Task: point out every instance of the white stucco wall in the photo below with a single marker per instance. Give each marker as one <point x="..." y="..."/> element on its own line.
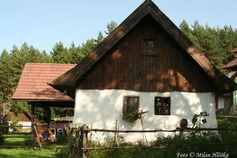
<point x="101" y="108"/>
<point x="221" y="102"/>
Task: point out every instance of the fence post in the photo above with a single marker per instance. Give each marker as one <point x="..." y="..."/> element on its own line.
<point x="183" y="124"/>
<point x="116" y="141"/>
<point x="36" y="137"/>
<point x="83" y="141"/>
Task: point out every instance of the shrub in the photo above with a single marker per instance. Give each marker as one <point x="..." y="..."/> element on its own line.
<point x="193" y="142"/>
<point x="3" y="128"/>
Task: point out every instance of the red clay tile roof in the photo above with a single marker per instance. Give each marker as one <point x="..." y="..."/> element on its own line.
<point x="232" y="65"/>
<point x="234" y="51"/>
<point x="33" y="86"/>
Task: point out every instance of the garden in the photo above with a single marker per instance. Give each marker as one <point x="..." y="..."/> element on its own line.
<point x="199" y="143"/>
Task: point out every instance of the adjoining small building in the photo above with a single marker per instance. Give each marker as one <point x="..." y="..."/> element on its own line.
<point x="33" y="88"/>
<point x="230" y="101"/>
<point x="146" y="66"/>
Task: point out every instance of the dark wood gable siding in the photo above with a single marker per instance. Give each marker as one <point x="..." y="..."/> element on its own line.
<point x="126" y="67"/>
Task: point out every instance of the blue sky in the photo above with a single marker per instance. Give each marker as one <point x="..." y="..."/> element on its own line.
<point x="42" y="23"/>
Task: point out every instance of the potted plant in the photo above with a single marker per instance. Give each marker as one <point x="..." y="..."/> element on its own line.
<point x="132" y="116"/>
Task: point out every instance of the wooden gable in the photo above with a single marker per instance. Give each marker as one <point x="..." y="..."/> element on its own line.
<point x="126" y="66"/>
<point x="119" y="61"/>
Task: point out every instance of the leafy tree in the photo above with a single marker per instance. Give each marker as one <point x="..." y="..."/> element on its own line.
<point x="18" y="107"/>
<point x="99" y="38"/>
<point x="227" y="42"/>
<point x="76" y="56"/>
<point x="35" y="56"/>
<point x="61" y="112"/>
<point x="87" y="47"/>
<point x="79" y="52"/>
<point x="45" y="57"/>
<point x="110" y="27"/>
<point x="60" y="54"/>
<point x="5" y="74"/>
<point x="188" y="32"/>
<point x="1" y="101"/>
<point x="215" y="43"/>
<point x="18" y="60"/>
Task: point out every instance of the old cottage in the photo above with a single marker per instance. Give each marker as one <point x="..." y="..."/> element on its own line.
<point x="146" y="65"/>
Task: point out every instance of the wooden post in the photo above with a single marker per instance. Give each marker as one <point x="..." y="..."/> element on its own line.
<point x="183" y="124"/>
<point x="37" y="137"/>
<point x="33" y="124"/>
<point x="32" y="117"/>
<point x="178" y="143"/>
<point x="83" y="141"/>
<point x="73" y="145"/>
<point x="47" y="116"/>
<point x="116" y="141"/>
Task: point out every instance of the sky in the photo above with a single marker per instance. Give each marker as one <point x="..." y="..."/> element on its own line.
<point x="43" y="23"/>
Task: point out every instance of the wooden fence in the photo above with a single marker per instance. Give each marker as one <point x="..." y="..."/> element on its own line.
<point x="31" y="137"/>
<point x="79" y="139"/>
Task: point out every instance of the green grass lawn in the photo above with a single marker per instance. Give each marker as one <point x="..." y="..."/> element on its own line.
<point x="23" y="147"/>
<point x="25" y="152"/>
<point x="49" y="149"/>
<point x="227" y="121"/>
<point x="18" y="139"/>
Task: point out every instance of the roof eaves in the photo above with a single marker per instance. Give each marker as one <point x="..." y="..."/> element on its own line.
<point x="41" y="100"/>
<point x="234" y="51"/>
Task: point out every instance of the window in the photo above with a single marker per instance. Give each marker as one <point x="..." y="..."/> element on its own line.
<point x="130" y="104"/>
<point x="149" y="47"/>
<point x="162" y="106"/>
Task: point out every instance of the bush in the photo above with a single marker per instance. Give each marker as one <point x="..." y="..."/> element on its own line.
<point x="170" y="146"/>
<point x="3" y="128"/>
<point x="222" y="112"/>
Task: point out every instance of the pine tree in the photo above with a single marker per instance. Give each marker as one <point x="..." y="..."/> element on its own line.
<point x="75" y="53"/>
<point x="215" y="43"/>
<point x="110" y="27"/>
<point x="5" y="74"/>
<point x="60" y="54"/>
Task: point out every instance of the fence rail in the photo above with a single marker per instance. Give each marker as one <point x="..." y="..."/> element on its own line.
<point x="159" y="130"/>
<point x="12" y="126"/>
<point x="155" y="147"/>
<point x="8" y="136"/>
<point x="33" y="134"/>
<point x="129" y="131"/>
<point x="81" y="145"/>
